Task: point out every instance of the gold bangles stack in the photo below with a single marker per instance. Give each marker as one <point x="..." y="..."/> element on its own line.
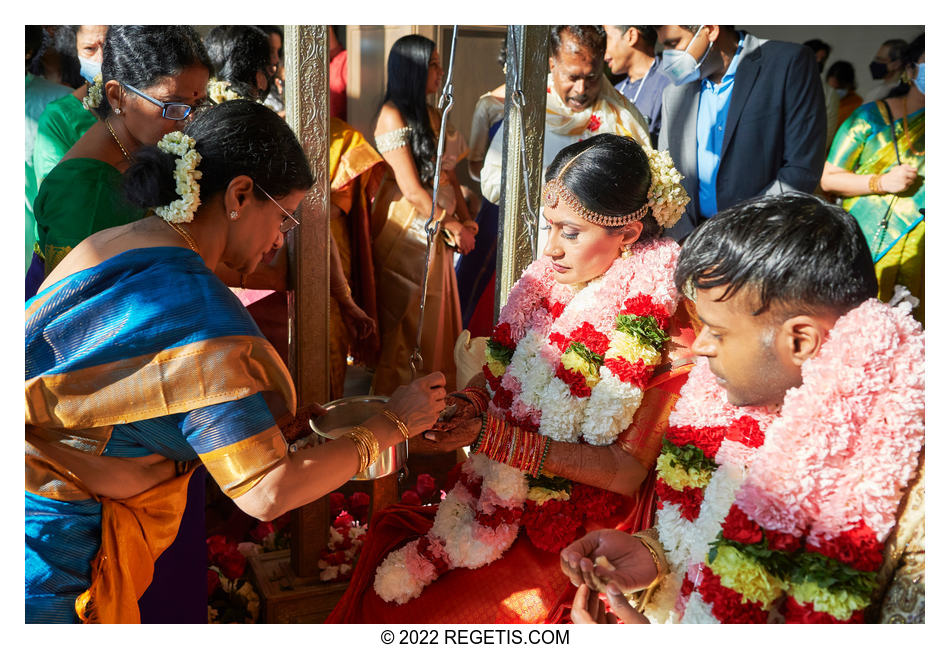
<point x="391" y="416"/>
<point x="874" y="184"/>
<point x="651" y="541"/>
<point x="366" y="445"/>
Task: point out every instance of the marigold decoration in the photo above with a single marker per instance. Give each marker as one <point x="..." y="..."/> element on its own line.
<point x="182" y="210"/>
<point x="94" y="94"/>
<point x="568" y="365"/>
<point x="747" y="538"/>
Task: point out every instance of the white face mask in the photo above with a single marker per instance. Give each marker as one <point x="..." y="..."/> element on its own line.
<point x="680" y="66"/>
<point x="841" y="92"/>
<point x="89" y="69"/>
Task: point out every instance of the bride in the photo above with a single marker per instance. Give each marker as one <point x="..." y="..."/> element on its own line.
<point x="566" y="427"/>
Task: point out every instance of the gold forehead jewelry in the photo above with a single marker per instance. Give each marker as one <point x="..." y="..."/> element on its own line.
<point x="555" y="190"/>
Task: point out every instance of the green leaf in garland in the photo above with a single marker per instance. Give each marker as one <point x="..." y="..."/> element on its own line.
<point x="645" y="328"/>
<point x="551" y="482"/>
<point x="499" y="352"/>
<point x="594" y="361"/>
<point x="688" y="457"/>
<point x="831" y="575"/>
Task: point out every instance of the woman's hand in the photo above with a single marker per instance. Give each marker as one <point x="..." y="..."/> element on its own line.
<point x="588" y="608"/>
<point x="359" y="325"/>
<point x="464" y="237"/>
<point x="898" y="179"/>
<point x="448" y="437"/>
<point x="418" y="404"/>
<point x="633" y="565"/>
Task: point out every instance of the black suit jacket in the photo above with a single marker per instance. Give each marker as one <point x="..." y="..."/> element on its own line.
<point x="775" y="129"/>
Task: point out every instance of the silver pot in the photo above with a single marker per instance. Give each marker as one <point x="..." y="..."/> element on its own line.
<point x="347" y="412"/>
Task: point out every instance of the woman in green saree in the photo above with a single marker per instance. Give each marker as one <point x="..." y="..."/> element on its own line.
<point x="876" y="163"/>
<point x="152" y="78"/>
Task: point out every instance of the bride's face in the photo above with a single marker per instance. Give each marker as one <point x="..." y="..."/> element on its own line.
<point x="578" y="250"/>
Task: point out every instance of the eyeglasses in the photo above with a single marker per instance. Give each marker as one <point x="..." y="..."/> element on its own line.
<point x="290" y="221"/>
<point x="170" y="109"/>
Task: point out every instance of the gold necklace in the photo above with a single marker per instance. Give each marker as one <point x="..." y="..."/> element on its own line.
<point x="125" y="153"/>
<point x="184" y="235"/>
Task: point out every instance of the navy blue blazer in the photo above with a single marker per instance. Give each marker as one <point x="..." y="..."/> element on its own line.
<point x="775" y="130"/>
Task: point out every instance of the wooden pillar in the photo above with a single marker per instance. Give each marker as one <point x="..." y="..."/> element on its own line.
<point x="308" y="113"/>
<point x="527" y="61"/>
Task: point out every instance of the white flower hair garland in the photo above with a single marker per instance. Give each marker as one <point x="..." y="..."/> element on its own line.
<point x="182" y="210"/>
<point x="94" y="95"/>
<point x="667" y="196"/>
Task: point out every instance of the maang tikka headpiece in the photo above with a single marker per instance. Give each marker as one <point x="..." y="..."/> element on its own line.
<point x="555" y="191"/>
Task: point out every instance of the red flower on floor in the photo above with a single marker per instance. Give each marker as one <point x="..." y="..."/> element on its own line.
<point x="593" y="124"/>
<point x="410" y="497"/>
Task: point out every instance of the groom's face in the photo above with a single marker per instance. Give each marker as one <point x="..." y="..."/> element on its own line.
<point x="576" y="74"/>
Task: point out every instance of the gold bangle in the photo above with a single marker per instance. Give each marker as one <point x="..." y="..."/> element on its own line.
<point x="656" y="551"/>
<point x="874" y="184"/>
<point x="367" y="446"/>
<point x="391" y="416"/>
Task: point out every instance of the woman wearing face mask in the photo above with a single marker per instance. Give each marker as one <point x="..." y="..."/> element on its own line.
<point x="840" y="79"/>
<point x="61" y="125"/>
<point x="876" y="164"/>
<point x="158" y="369"/>
<point x="153" y="77"/>
<point x="566" y="426"/>
<point x="407" y="134"/>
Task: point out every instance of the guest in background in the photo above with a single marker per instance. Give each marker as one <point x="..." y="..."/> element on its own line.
<point x="877" y="164"/>
<point x="38" y="95"/>
<point x="275" y="71"/>
<point x="631" y="50"/>
<point x="407" y="133"/>
<point x="886" y="69"/>
<point x="338" y="72"/>
<point x="822" y="50"/>
<point x="840" y="79"/>
<point x="153" y="77"/>
<point x="743" y="117"/>
<point x="240" y="55"/>
<point x="475" y="272"/>
<point x="57" y="59"/>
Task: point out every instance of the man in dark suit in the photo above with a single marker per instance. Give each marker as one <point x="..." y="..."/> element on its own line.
<point x="742" y="117"/>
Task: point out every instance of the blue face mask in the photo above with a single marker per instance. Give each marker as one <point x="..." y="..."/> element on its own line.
<point x="680" y="66"/>
<point x="89" y="69"/>
<point x="919" y="79"/>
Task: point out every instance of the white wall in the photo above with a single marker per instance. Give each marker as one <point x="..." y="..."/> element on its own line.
<point x="856" y="44"/>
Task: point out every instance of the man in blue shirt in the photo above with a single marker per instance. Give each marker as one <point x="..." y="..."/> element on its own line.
<point x="631" y="51"/>
<point x="741" y="117"/>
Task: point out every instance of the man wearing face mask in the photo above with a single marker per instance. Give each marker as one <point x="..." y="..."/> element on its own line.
<point x="580" y="103"/>
<point x="742" y="117"/>
<point x="886" y="69"/>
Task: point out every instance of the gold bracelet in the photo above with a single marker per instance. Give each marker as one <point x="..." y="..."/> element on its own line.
<point x="391" y="416"/>
<point x="367" y="446"/>
<point x="656" y="551"/>
<point x="874" y="184"/>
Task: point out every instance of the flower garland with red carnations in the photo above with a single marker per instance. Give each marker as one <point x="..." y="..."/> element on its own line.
<point x="569" y="364"/>
<point x="783" y="517"/>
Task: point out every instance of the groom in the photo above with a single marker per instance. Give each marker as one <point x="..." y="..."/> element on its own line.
<point x="803" y="417"/>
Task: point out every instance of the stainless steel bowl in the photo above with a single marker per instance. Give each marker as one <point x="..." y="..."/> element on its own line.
<point x="344" y="413"/>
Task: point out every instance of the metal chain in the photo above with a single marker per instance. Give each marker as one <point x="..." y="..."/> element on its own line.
<point x="446" y="101"/>
<point x="531" y="218"/>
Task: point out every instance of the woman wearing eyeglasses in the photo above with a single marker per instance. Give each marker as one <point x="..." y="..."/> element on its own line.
<point x="141" y="364"/>
<point x="152" y="78"/>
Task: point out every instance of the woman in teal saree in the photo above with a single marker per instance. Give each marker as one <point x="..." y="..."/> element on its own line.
<point x="876" y="163"/>
<point x="140" y="364"/>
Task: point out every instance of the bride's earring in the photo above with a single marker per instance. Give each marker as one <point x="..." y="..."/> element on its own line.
<point x="233" y="215"/>
<point x="626" y="252"/>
